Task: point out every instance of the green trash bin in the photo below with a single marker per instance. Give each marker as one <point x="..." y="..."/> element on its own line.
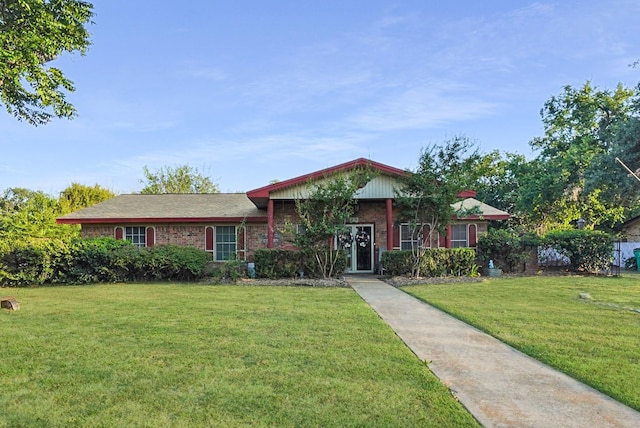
<point x="636" y="253"/>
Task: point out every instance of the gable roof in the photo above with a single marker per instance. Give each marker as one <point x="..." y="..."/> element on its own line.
<point x="183" y="208"/>
<point x="487" y="212"/>
<point x="261" y="195"/>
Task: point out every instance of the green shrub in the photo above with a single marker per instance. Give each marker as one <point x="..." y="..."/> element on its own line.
<point x="277" y="263"/>
<point x="507" y="249"/>
<point x="587" y="250"/>
<point x="51" y="261"/>
<point x="91" y="260"/>
<point x="436" y="262"/>
<point x="158" y="263"/>
<point x="313" y="269"/>
<point x="32" y="262"/>
<point x="397" y="263"/>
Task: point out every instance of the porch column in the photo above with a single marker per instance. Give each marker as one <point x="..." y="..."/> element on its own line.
<point x="270" y="223"/>
<point x="448" y="236"/>
<point x="389" y="224"/>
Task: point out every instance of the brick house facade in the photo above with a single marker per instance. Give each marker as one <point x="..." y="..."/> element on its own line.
<point x="236" y="224"/>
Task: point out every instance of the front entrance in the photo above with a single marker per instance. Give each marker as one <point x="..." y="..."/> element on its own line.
<point x="357" y="241"/>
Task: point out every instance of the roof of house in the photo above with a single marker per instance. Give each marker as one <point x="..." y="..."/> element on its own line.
<point x="184" y="208"/>
<point x="233" y="207"/>
<point x="260" y="196"/>
<point x="485" y="211"/>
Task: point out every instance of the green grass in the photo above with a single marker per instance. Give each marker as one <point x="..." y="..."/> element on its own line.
<point x="183" y="355"/>
<point x="596" y="341"/>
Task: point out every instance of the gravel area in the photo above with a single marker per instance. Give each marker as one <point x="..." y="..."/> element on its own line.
<point x="396" y="281"/>
<point x="293" y="282"/>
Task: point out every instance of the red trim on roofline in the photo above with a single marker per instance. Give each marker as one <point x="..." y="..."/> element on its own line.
<point x="263" y="192"/>
<point x="467" y="194"/>
<point x="162" y="220"/>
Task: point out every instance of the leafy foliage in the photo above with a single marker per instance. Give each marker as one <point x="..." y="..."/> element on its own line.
<point x="426" y="195"/>
<point x="31" y="262"/>
<point x="568" y="178"/>
<point x="52" y="261"/>
<point x="435" y="262"/>
<point x="32" y="214"/>
<point x="506" y="248"/>
<point x="179" y="179"/>
<point x="588" y="250"/>
<point x="33" y="33"/>
<point x="78" y="196"/>
<point x="277" y="263"/>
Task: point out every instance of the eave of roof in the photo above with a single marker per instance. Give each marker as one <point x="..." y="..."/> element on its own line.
<point x="487" y="212"/>
<point x="156" y="220"/>
<point x="260" y="196"/>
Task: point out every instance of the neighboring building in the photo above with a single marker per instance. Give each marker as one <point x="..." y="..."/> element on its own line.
<point x="227" y="224"/>
<point x="631" y="229"/>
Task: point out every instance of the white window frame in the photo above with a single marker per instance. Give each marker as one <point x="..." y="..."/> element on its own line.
<point x="414" y="242"/>
<point x="223" y="249"/>
<point x="456" y="240"/>
<point x="137" y="235"/>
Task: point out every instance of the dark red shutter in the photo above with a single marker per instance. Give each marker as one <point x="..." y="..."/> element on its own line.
<point x="208" y="245"/>
<point x="472" y="235"/>
<point x="442" y="241"/>
<point x="118" y="233"/>
<point x="396" y="237"/>
<point x="151" y="237"/>
<point x="426" y="230"/>
<point x="241" y="249"/>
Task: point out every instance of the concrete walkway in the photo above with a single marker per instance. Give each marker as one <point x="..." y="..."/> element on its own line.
<point x="500" y="386"/>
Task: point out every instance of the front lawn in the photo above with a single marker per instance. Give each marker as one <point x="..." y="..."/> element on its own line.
<point x="184" y="355"/>
<point x="596" y="341"/>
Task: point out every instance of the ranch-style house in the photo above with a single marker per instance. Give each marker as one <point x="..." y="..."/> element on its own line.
<point x="236" y="224"/>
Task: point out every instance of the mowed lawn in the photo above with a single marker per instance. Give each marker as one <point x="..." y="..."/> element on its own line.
<point x="596" y="341"/>
<point x="185" y="355"/>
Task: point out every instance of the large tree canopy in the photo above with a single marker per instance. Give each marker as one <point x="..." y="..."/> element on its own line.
<point x="27" y="213"/>
<point x="179" y="179"/>
<point x="582" y="130"/>
<point x="78" y="196"/>
<point x="33" y="33"/>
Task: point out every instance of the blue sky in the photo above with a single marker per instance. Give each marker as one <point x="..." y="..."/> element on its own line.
<point x="252" y="91"/>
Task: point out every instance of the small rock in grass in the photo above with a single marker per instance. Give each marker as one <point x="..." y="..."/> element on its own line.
<point x="585" y="296"/>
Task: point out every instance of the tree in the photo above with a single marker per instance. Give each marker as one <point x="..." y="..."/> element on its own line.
<point x="78" y="196"/>
<point x="26" y="213"/>
<point x="323" y="214"/>
<point x="33" y="33"/>
<point x="179" y="179"/>
<point x="499" y="178"/>
<point x="581" y="126"/>
<point x="426" y="195"/>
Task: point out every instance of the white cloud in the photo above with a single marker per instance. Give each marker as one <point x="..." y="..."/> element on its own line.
<point x="426" y="106"/>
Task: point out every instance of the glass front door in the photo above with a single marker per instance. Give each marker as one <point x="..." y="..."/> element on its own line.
<point x="357" y="241"/>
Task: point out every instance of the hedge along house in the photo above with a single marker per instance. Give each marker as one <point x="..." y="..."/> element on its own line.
<point x="235" y="224"/>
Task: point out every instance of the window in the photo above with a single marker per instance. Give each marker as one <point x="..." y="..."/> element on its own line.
<point x="459" y="236"/>
<point x="409" y="240"/>
<point x="136" y="235"/>
<point x="225" y="243"/>
<point x="301" y="229"/>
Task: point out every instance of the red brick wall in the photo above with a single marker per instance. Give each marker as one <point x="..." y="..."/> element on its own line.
<point x="97" y="231"/>
<point x="184" y="234"/>
<point x="285" y="217"/>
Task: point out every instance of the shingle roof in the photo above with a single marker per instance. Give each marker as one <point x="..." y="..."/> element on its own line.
<point x="487" y="211"/>
<point x="170" y="207"/>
